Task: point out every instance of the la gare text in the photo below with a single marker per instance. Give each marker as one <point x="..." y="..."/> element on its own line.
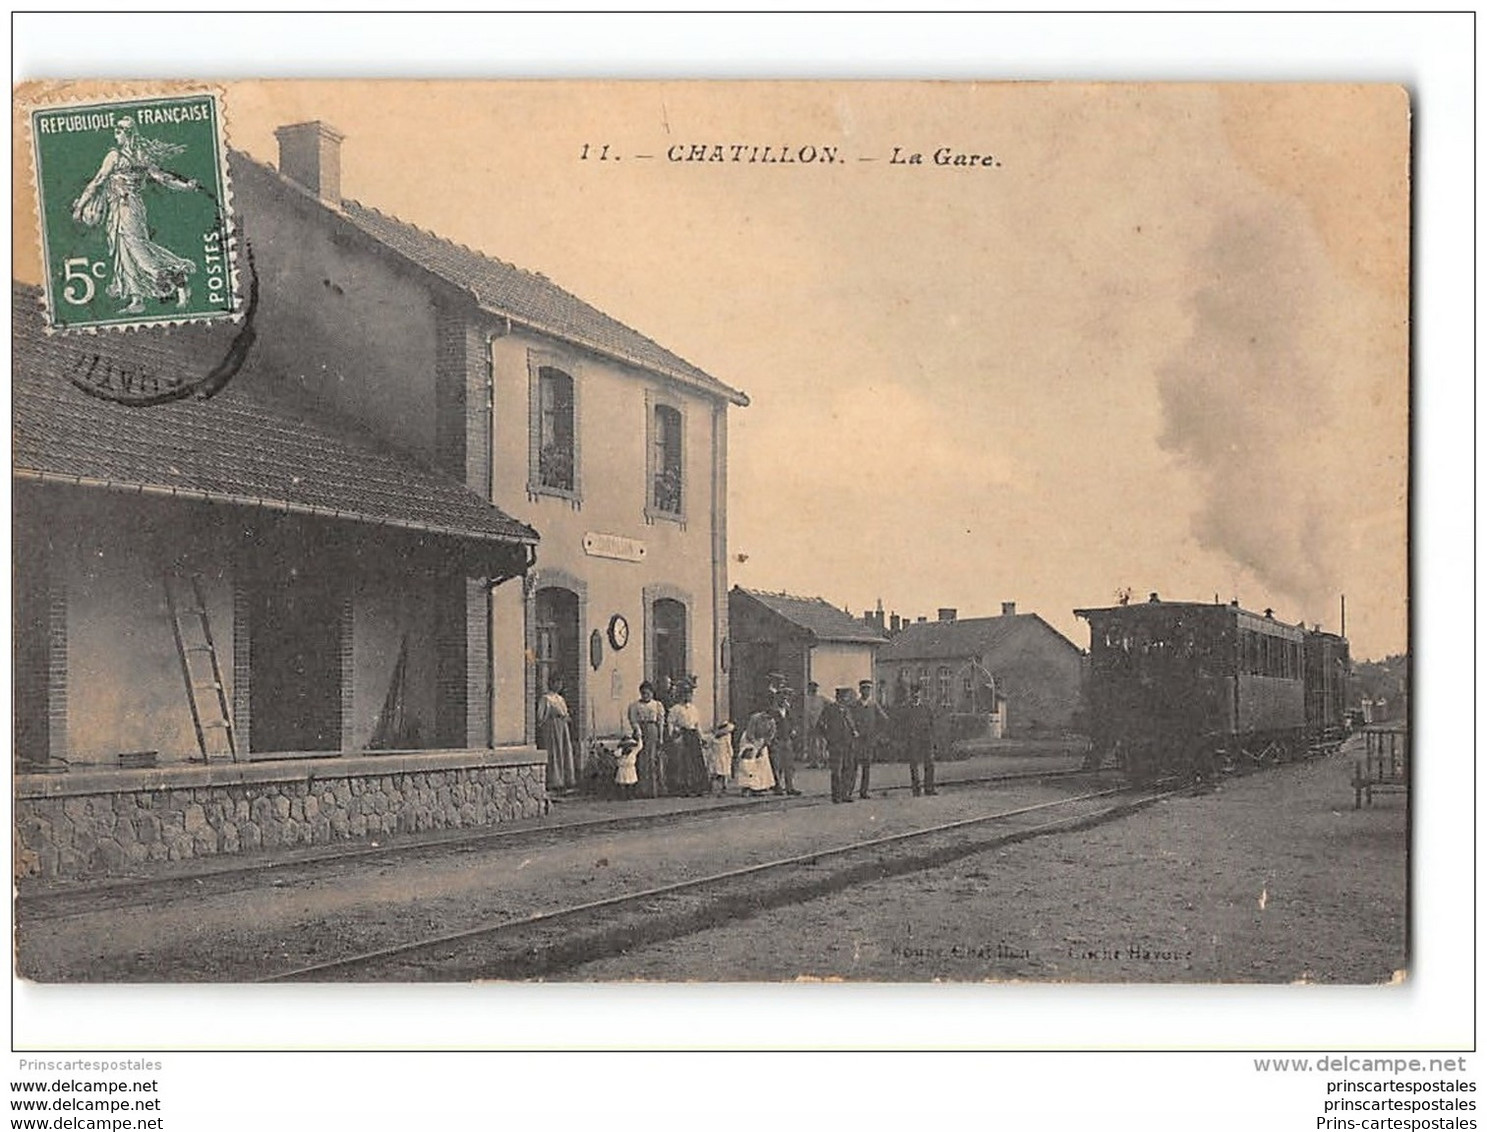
<point x="945" y="157"/>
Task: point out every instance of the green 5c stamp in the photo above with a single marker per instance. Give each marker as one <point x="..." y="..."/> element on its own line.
<point x="134" y="200"/>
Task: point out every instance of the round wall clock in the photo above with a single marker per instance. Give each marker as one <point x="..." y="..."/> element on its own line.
<point x="619" y="632"/>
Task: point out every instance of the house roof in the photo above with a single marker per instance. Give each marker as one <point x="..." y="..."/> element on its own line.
<point x="824" y="621"/>
<point x="508" y="291"/>
<point x="971" y="636"/>
<point x="241" y="447"/>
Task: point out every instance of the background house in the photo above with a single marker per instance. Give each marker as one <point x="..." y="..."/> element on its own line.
<point x="804" y="638"/>
<point x="1034" y="669"/>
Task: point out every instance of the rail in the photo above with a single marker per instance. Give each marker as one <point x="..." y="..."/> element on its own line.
<point x="554" y="940"/>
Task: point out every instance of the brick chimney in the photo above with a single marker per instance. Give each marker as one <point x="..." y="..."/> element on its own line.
<point x="310" y="156"/>
<point x="946" y="614"/>
<point x="1009" y="609"/>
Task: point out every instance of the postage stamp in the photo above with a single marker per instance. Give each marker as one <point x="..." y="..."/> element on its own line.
<point x="134" y="206"/>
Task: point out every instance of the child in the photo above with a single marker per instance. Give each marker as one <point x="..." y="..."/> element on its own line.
<point x="625" y="760"/>
<point x="720" y="755"/>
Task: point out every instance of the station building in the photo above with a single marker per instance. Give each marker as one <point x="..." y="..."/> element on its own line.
<point x="358" y="511"/>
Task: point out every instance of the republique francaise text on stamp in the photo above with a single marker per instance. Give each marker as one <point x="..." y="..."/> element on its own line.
<point x="134" y="209"/>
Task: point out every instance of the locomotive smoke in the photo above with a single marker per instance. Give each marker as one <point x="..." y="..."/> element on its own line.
<point x="1259" y="403"/>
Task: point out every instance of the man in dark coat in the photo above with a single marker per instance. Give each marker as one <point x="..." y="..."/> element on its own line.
<point x="871" y="722"/>
<point x="782" y="750"/>
<point x="915" y="724"/>
<point x="835" y="726"/>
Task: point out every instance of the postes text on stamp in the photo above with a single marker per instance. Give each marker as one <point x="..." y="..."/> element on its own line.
<point x="134" y="207"/>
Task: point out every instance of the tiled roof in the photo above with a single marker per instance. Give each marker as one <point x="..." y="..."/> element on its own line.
<point x="817" y="616"/>
<point x="242" y="446"/>
<point x="971" y="636"/>
<point x="524" y="296"/>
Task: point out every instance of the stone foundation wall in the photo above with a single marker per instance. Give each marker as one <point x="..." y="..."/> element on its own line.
<point x="108" y="823"/>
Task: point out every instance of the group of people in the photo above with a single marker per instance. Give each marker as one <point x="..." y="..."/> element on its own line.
<point x="854" y="730"/>
<point x="666" y="750"/>
<point x="848" y="733"/>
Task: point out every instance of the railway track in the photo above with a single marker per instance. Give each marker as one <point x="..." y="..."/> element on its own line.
<point x="89" y="899"/>
<point x="552" y="941"/>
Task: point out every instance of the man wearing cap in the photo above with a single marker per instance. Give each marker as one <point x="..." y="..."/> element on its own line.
<point x="871" y="722"/>
<point x="782" y="750"/>
<point x="816" y="746"/>
<point x="915" y="725"/>
<point x="835" y="726"/>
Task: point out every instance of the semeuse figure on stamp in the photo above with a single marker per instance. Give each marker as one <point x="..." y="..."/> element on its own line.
<point x="142" y="269"/>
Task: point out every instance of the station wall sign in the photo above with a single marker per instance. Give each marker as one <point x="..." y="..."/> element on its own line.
<point x="599" y="545"/>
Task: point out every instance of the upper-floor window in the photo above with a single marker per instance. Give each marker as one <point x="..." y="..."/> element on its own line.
<point x="666" y="480"/>
<point x="554" y="468"/>
<point x="665" y="462"/>
<point x="555" y="439"/>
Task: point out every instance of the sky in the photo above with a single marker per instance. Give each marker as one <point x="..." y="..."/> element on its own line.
<point x="1158" y="344"/>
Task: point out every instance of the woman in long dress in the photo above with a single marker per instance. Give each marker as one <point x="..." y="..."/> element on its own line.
<point x="753" y="774"/>
<point x="685" y="726"/>
<point x="142" y="269"/>
<point x="647" y="718"/>
<point x="557" y="740"/>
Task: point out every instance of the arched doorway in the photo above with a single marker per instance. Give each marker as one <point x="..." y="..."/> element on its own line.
<point x="669" y="639"/>
<point x="556" y="648"/>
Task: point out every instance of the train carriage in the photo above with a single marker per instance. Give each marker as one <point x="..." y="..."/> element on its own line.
<point x="1188" y="687"/>
<point x="1328" y="667"/>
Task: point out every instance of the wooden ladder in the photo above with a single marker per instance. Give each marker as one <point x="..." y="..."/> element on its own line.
<point x="188" y="645"/>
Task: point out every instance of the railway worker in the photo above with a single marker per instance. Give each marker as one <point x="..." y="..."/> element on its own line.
<point x="871" y="722"/>
<point x="782" y="751"/>
<point x="835" y="726"/>
<point x="647" y="718"/>
<point x="816" y="746"/>
<point x="915" y="724"/>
